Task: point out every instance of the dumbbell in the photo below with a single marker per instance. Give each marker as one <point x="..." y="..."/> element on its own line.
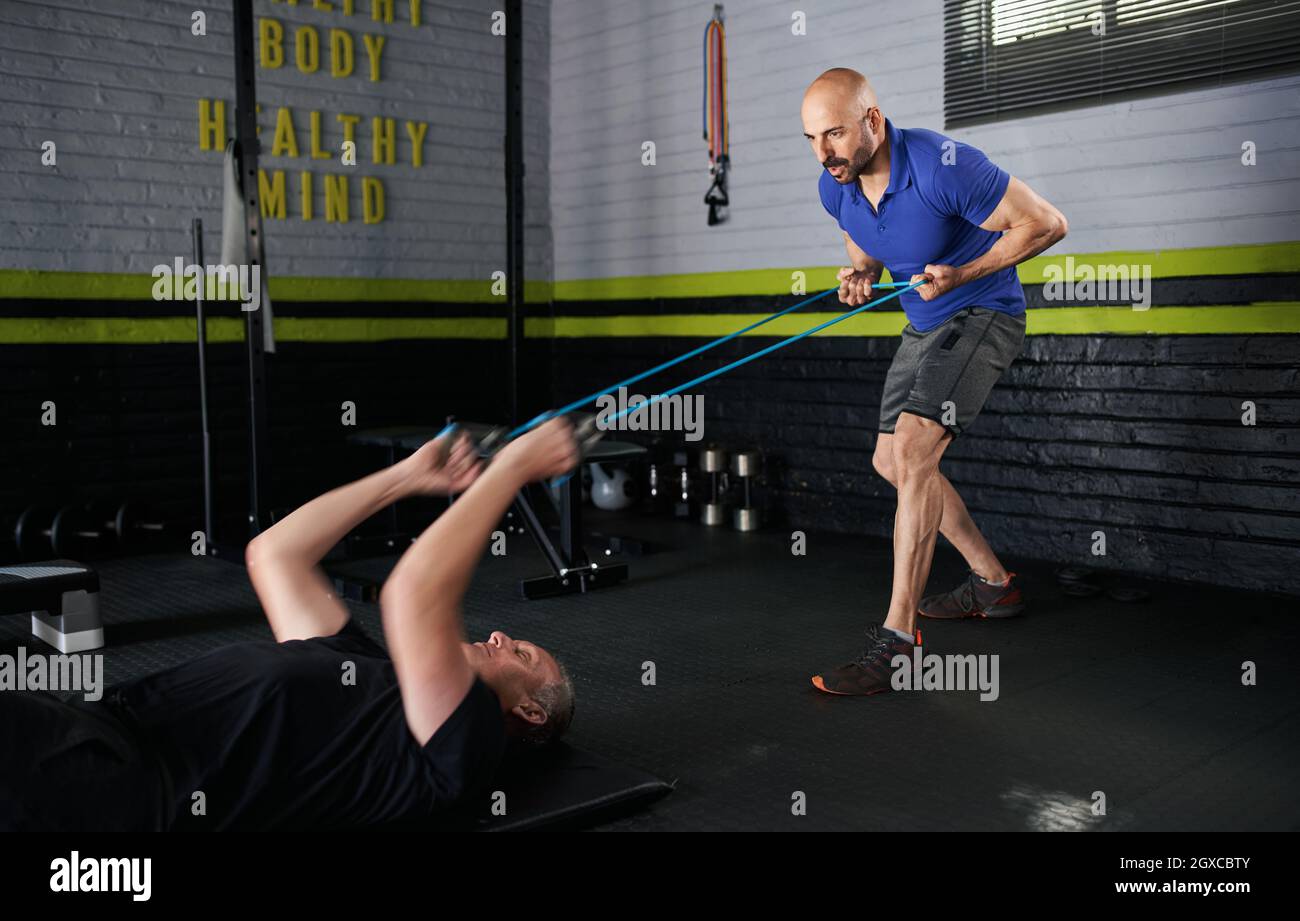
<point x="76" y="531"/>
<point x="136" y="527"/>
<point x="744" y="465"/>
<point x="684" y="490"/>
<point x="713" y="462"/>
<point x="8" y="543"/>
<point x="67" y="532"/>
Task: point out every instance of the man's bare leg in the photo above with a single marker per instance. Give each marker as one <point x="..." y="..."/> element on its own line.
<point x="956" y="524"/>
<point x="918" y="445"/>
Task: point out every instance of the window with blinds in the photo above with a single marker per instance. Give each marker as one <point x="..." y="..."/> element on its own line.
<point x="1005" y="58"/>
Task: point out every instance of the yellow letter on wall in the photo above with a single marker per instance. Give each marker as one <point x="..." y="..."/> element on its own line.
<point x="272" y="193"/>
<point x="212" y="124"/>
<point x="316" y="152"/>
<point x="416" y="131"/>
<point x="374" y="47"/>
<point x="336" y="198"/>
<point x="340" y="53"/>
<point x="383" y="147"/>
<point x="372" y="199"/>
<point x="306" y="195"/>
<point x="349" y="123"/>
<point x="285" y="139"/>
<point x="271" y="42"/>
<point x="306" y="47"/>
<point x="381" y="10"/>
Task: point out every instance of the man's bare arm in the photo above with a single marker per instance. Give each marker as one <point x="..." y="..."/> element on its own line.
<point x="856" y="281"/>
<point x="1030" y="224"/>
<point x="296" y="596"/>
<point x="862" y="262"/>
<point x="421" y="601"/>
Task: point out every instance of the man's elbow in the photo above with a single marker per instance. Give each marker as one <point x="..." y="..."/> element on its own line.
<point x="264" y="550"/>
<point x="256" y="552"/>
<point x="1057" y="227"/>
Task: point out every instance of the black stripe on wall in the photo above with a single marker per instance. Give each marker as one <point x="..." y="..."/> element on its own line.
<point x="1139" y="437"/>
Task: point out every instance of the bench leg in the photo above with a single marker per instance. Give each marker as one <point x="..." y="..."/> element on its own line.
<point x="77" y="628"/>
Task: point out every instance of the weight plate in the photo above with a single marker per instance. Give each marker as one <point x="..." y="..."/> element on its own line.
<point x="32" y="533"/>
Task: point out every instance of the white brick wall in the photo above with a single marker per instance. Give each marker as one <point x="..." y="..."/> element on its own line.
<point x="1155" y="173"/>
<point x="116" y="84"/>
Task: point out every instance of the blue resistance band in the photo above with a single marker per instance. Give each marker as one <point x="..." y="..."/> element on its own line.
<point x="592" y="397"/>
<point x="740" y="361"/>
<point x="899" y="287"/>
<point x="766" y="351"/>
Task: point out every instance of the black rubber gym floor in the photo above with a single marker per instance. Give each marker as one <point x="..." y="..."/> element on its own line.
<point x="1143" y="702"/>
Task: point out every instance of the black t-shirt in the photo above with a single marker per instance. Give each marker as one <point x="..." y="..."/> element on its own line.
<point x="286" y="735"/>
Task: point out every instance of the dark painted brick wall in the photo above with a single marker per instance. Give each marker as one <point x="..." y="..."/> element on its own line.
<point x="129" y="425"/>
<point x="1137" y="436"/>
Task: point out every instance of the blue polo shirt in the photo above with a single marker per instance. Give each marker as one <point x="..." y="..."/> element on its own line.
<point x="930" y="215"/>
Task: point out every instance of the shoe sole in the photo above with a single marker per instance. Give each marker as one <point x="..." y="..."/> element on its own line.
<point x="817" y="683"/>
<point x="988" y="614"/>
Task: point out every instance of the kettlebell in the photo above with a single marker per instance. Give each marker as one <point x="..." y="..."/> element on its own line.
<point x="611" y="488"/>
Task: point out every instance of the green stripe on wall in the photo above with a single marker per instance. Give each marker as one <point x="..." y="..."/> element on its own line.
<point x="1267" y="317"/>
<point x="1264" y="317"/>
<point x="1255" y="259"/>
<point x="159" y="330"/>
<point x="1261" y="259"/>
<point x="1249" y="259"/>
<point x="121" y="286"/>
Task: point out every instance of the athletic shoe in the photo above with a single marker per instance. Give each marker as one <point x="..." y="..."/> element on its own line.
<point x="870" y="673"/>
<point x="975" y="598"/>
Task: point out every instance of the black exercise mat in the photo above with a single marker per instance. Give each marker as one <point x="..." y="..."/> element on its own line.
<point x="560" y="788"/>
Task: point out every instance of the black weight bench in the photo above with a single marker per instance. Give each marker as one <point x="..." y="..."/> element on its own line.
<point x="572" y="571"/>
<point x="63" y="598"/>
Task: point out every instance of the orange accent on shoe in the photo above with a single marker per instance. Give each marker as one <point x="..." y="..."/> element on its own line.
<point x="821" y="686"/>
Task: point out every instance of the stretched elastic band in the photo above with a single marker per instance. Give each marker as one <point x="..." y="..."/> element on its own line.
<point x="761" y="352"/>
<point x="592" y="397"/>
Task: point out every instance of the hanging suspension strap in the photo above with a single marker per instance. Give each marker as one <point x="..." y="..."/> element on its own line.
<point x="715" y="114"/>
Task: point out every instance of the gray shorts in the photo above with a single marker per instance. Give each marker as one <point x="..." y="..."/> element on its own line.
<point x="946" y="374"/>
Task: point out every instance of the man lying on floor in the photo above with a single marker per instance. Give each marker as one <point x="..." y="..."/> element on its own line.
<point x="321" y="729"/>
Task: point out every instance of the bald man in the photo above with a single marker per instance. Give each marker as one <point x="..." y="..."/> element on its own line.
<point x="933" y="209"/>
